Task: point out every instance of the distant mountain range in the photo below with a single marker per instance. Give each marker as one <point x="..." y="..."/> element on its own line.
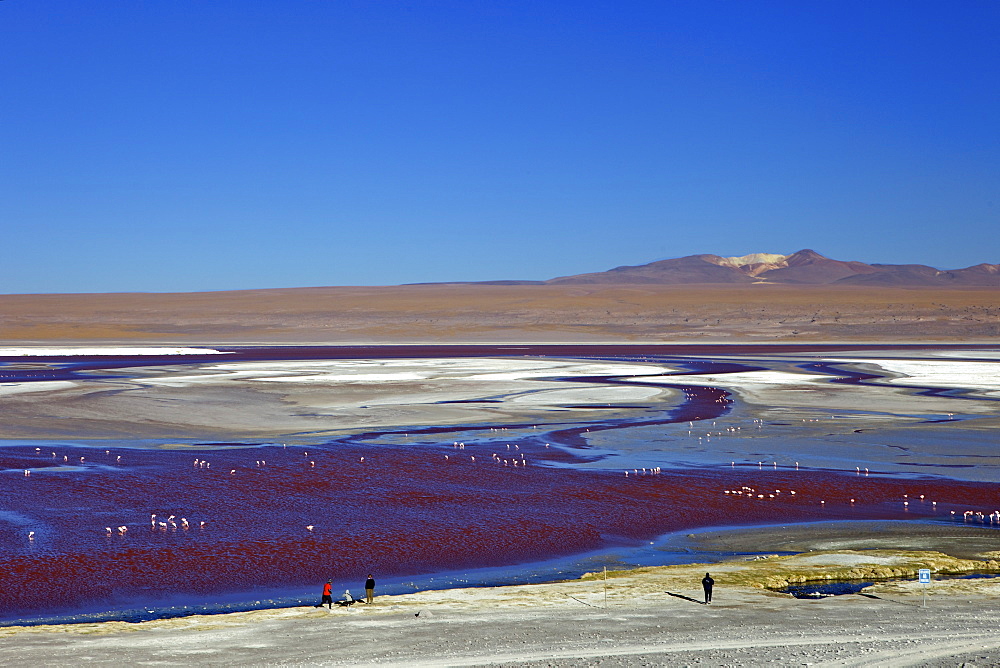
<point x="806" y="267"/>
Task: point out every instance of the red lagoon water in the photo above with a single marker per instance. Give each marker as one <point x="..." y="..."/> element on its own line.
<point x="401" y="511"/>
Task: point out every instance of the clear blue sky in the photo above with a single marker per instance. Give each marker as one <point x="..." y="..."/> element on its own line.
<point x="210" y="145"/>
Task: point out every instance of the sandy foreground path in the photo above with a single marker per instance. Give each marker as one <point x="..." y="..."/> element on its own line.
<point x="650" y="617"/>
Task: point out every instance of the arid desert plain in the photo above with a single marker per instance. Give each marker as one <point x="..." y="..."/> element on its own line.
<point x="536" y="475"/>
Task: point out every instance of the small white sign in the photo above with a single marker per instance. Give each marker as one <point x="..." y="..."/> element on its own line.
<point x="924" y="576"/>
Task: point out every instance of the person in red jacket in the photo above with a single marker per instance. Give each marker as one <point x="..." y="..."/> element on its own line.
<point x="327" y="595"/>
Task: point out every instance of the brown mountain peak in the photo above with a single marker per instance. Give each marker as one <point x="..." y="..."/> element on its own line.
<point x="804" y="267"/>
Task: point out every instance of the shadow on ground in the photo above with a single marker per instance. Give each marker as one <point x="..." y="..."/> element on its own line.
<point x="686" y="598"/>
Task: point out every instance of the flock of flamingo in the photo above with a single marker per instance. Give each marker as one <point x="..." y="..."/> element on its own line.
<point x="514" y="457"/>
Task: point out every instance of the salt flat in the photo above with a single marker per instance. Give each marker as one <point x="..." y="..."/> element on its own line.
<point x="313" y="396"/>
<point x="283" y="398"/>
<point x="872" y="425"/>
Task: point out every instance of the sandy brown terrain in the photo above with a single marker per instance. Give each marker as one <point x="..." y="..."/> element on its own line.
<point x="524" y="313"/>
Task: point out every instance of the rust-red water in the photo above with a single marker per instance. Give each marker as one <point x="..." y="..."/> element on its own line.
<point x="258" y="525"/>
<point x="404" y="510"/>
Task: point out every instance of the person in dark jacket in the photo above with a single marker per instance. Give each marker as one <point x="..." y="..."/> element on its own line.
<point x="707" y="582"/>
<point x="369" y="589"/>
<point x="327" y="595"/>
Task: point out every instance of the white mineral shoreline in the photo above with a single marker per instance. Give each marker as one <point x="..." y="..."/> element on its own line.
<point x="79" y="351"/>
<point x="370" y="394"/>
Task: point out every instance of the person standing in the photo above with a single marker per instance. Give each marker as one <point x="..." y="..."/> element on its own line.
<point x="707" y="583"/>
<point x="370" y="589"/>
<point x="327" y="595"/>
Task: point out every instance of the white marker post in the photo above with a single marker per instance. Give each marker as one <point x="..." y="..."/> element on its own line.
<point x="924" y="578"/>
